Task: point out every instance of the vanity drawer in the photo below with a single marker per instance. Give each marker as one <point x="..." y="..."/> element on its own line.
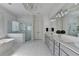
<point x="68" y="51"/>
<point x="56" y="51"/>
<point x="51" y="46"/>
<point x="50" y="42"/>
<point x="63" y="53"/>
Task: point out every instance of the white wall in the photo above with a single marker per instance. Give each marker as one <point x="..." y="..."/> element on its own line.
<point x="26" y="19"/>
<point x="54" y="25"/>
<point x="5" y="16"/>
<point x="46" y="21"/>
<point x="46" y="24"/>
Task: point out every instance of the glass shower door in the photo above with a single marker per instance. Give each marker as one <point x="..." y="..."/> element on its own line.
<point x="28" y="33"/>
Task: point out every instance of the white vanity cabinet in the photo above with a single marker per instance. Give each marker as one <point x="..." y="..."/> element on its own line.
<point x="49" y="43"/>
<point x="63" y="50"/>
<point x="59" y="48"/>
<point x="56" y="51"/>
<point x="69" y="51"/>
<point x="63" y="53"/>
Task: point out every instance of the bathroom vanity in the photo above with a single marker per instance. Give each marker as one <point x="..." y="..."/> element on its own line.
<point x="65" y="44"/>
<point x="62" y="45"/>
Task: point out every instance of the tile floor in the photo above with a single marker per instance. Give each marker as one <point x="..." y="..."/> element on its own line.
<point x="33" y="48"/>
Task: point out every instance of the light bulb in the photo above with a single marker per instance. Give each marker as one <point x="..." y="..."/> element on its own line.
<point x="59" y="15"/>
<point x="62" y="13"/>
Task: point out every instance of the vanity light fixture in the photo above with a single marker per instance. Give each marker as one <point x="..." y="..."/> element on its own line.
<point x="30" y="6"/>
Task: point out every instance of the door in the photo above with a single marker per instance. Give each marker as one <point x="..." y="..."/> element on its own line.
<point x="28" y="33"/>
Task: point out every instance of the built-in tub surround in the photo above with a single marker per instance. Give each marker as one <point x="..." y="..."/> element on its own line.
<point x="6" y="46"/>
<point x="6" y="40"/>
<point x="19" y="37"/>
<point x="68" y="41"/>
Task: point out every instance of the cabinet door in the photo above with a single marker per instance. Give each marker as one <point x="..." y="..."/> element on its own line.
<point x="50" y="44"/>
<point x="63" y="53"/>
<point x="46" y="40"/>
<point x="68" y="51"/>
<point x="56" y="50"/>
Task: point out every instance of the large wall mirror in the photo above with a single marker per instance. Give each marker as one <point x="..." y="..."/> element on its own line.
<point x="71" y="23"/>
<point x="68" y="20"/>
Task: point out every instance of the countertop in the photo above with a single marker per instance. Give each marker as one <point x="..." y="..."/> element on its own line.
<point x="69" y="45"/>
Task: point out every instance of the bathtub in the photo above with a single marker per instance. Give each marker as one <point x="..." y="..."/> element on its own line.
<point x="6" y="46"/>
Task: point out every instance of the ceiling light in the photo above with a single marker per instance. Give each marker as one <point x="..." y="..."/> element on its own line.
<point x="59" y="15"/>
<point x="62" y="14"/>
<point x="30" y="6"/>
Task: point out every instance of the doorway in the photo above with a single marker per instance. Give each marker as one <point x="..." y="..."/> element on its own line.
<point x="28" y="33"/>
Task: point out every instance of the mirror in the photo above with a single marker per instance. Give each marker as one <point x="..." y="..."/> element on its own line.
<point x="56" y="24"/>
<point x="70" y="22"/>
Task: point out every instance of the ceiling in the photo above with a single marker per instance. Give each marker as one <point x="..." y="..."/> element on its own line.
<point x="19" y="10"/>
<point x="16" y="9"/>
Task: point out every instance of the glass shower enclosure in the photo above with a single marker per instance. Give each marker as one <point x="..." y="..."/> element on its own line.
<point x="18" y="27"/>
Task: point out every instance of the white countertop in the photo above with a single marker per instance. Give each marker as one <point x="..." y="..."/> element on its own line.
<point x="69" y="45"/>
